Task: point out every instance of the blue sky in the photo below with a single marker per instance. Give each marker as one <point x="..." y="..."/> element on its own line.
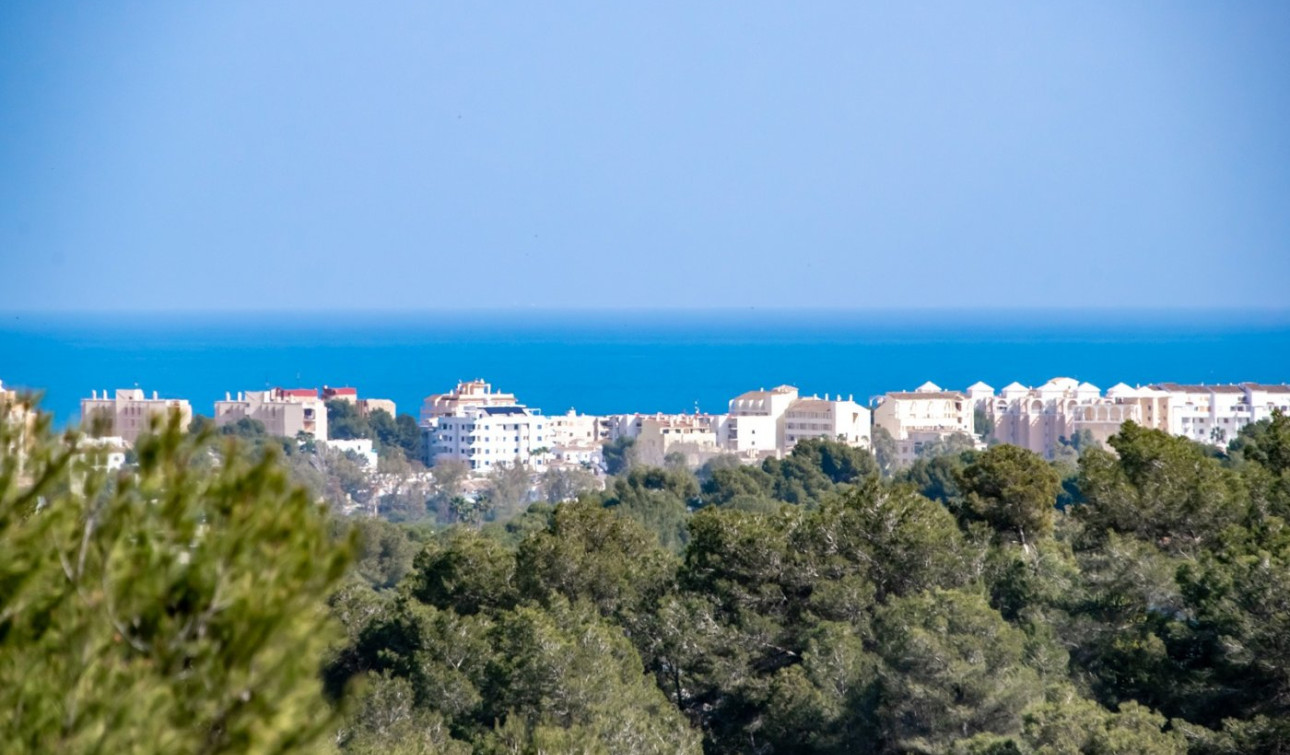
<point x="241" y="155"/>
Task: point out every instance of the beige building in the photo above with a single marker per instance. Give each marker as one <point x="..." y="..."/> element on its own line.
<point x="1039" y="418"/>
<point x="575" y="439"/>
<point x="472" y="394"/>
<point x="926" y="415"/>
<point x="285" y="412"/>
<point x="129" y="414"/>
<point x="571" y="428"/>
<point x="693" y="435"/>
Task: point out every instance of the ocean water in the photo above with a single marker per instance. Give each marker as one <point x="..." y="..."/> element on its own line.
<point x="646" y="361"/>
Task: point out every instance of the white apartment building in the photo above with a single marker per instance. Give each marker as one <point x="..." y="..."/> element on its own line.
<point x="926" y="415"/>
<point x="483" y="428"/>
<point x="128" y="414"/>
<point x="755" y="421"/>
<point x="1215" y="414"/>
<point x="284" y="412"/>
<point x="578" y="455"/>
<point x="485" y="436"/>
<point x="1262" y="400"/>
<point x="833" y="419"/>
<point x="1037" y="418"/>
<point x="615" y="426"/>
<point x="764" y="423"/>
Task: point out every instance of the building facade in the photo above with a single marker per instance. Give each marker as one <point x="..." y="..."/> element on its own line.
<point x="129" y="414"/>
<point x="831" y="419"/>
<point x="484" y="429"/>
<point x="927" y="415"/>
<point x="468" y="394"/>
<point x="1039" y="419"/>
<point x="1215" y="414"/>
<point x="285" y="412"/>
<point x="692" y="435"/>
<point x="486" y="436"/>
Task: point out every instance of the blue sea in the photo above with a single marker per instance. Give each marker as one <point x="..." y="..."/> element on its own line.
<point x="603" y="362"/>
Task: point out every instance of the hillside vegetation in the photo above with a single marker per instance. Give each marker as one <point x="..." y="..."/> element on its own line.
<point x="1137" y="600"/>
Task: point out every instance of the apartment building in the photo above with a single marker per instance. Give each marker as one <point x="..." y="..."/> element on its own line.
<point x="771" y="422"/>
<point x="286" y="412"/>
<point x="1215" y="414"/>
<point x="483" y="428"/>
<point x="755" y="421"/>
<point x="129" y="414"/>
<point x="1039" y="418"/>
<point x="468" y="394"/>
<point x="571" y="429"/>
<point x="922" y="416"/>
<point x="832" y="419"/>
<point x="485" y="436"/>
<point x="693" y="435"/>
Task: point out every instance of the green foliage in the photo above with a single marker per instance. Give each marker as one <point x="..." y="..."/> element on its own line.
<point x="835" y="460"/>
<point x="816" y="609"/>
<point x="952" y="668"/>
<point x="385" y="552"/>
<point x="1159" y="488"/>
<point x="509" y="487"/>
<point x="937" y="477"/>
<point x="466" y="572"/>
<point x="657" y="498"/>
<point x="1266" y="443"/>
<point x="390" y="435"/>
<point x="563" y="668"/>
<point x="951" y="445"/>
<point x="1074" y="727"/>
<point x="983" y="422"/>
<point x="619" y="455"/>
<point x="175" y="607"/>
<point x="345" y="422"/>
<point x="1011" y="489"/>
<point x="885" y="452"/>
<point x="566" y="484"/>
<point x="802" y="605"/>
<point x="590" y="554"/>
<point x="900" y="541"/>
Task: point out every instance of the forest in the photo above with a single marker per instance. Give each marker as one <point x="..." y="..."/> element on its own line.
<point x="1132" y="598"/>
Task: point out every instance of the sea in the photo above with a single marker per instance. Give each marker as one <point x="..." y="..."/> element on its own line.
<point x="606" y="362"/>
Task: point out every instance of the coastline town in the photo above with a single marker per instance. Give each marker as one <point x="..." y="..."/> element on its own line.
<point x="482" y="430"/>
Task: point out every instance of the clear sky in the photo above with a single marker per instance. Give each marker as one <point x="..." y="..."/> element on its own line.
<point x="252" y="155"/>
